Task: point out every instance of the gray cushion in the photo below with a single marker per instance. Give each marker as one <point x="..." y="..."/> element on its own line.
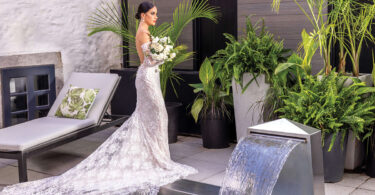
<point x="22" y="136"/>
<point x="106" y="84"/>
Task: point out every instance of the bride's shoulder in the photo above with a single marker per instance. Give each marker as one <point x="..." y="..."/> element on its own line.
<point x="142" y="36"/>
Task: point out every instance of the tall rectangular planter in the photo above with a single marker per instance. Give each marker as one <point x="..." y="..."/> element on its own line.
<point x="248" y="105"/>
<point x="355" y="150"/>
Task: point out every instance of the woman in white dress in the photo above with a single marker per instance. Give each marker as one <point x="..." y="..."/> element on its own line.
<point x="135" y="159"/>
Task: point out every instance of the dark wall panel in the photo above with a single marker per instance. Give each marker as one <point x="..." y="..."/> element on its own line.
<point x="208" y="36"/>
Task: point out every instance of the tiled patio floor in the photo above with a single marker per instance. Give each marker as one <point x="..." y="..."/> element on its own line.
<point x="211" y="164"/>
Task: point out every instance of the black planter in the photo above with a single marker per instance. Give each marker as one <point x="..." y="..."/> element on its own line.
<point x="214" y="133"/>
<point x="334" y="161"/>
<point x="174" y="110"/>
<point x="370" y="164"/>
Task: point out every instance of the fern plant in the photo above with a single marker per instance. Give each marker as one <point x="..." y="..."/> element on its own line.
<point x="108" y="18"/>
<point x="328" y="105"/>
<point x="256" y="53"/>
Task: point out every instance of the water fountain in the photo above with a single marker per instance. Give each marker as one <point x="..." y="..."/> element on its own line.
<point x="280" y="157"/>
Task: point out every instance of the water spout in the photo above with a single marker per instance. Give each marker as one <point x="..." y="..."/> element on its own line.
<point x="255" y="165"/>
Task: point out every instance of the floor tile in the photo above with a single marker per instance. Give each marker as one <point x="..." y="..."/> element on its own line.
<point x="185" y="150"/>
<point x="353" y="180"/>
<point x="7" y="161"/>
<point x="363" y="192"/>
<point x="369" y="184"/>
<point x="9" y="175"/>
<point x="176" y="157"/>
<point x="190" y="140"/>
<point x="215" y="179"/>
<point x="79" y="147"/>
<point x="205" y="169"/>
<point x="54" y="162"/>
<point x="101" y="135"/>
<point x="221" y="156"/>
<point x="334" y="189"/>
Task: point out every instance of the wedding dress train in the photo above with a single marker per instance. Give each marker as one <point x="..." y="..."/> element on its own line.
<point x="135" y="159"/>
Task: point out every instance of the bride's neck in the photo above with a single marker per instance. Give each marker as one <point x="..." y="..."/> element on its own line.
<point x="143" y="26"/>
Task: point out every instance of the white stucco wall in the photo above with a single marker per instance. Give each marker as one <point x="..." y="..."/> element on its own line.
<point x="31" y="26"/>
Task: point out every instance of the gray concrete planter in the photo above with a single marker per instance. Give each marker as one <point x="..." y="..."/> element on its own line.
<point x="355" y="151"/>
<point x="248" y="105"/>
<point x="334" y="160"/>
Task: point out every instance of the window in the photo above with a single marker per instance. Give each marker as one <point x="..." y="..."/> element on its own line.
<point x="28" y="93"/>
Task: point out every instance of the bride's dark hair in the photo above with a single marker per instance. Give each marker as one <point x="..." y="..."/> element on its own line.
<point x="143" y="8"/>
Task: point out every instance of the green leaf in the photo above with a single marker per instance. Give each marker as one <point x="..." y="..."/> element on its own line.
<point x="285" y="66"/>
<point x="196" y="108"/>
<point x="364" y="90"/>
<point x="197" y="87"/>
<point x="206" y="72"/>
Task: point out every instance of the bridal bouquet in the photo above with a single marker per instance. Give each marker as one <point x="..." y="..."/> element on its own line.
<point x="161" y="49"/>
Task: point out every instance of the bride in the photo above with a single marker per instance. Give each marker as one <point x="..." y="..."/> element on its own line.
<point x="135" y="159"/>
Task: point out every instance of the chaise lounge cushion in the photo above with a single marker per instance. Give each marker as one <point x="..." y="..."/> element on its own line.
<point x="105" y="82"/>
<point x="25" y="135"/>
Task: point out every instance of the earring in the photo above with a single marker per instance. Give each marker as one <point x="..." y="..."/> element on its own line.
<point x="142" y="20"/>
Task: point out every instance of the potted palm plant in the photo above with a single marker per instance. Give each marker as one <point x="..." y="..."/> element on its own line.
<point x="348" y="25"/>
<point x="250" y="63"/>
<point x="211" y="106"/>
<point x="106" y="18"/>
<point x="353" y="21"/>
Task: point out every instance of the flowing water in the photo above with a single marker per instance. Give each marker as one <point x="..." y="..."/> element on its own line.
<point x="255" y="165"/>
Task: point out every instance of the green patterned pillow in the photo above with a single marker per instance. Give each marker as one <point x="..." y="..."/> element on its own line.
<point x="77" y="103"/>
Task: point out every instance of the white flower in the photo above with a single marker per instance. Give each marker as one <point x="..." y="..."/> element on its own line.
<point x="169" y="48"/>
<point x="157" y="47"/>
<point x="166" y="52"/>
<point x="163" y="56"/>
<point x="155" y="40"/>
<point x="163" y="40"/>
<point x="173" y="55"/>
<point x="158" y="57"/>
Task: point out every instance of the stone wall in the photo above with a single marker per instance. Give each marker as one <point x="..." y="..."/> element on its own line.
<point x="37" y="26"/>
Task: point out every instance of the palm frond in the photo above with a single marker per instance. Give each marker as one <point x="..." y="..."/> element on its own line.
<point x="108" y="17"/>
<point x="187" y="12"/>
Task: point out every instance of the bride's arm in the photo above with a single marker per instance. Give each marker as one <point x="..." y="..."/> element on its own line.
<point x="146" y="59"/>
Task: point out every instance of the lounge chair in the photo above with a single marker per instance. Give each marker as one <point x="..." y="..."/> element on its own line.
<point x="32" y="137"/>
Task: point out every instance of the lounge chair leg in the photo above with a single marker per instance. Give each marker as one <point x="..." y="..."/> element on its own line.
<point x="22" y="168"/>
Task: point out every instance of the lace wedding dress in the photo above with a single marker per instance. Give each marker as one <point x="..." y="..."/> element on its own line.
<point x="135" y="159"/>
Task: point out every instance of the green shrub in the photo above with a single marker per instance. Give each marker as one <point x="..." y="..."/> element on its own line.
<point x="329" y="105"/>
<point x="256" y="53"/>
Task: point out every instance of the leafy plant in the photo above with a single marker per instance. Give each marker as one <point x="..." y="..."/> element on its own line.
<point x="212" y="99"/>
<point x="323" y="29"/>
<point x="256" y="53"/>
<point x="108" y="18"/>
<point x="353" y="21"/>
<point x="327" y="104"/>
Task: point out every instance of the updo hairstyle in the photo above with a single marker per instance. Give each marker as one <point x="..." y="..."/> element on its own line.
<point x="143" y="8"/>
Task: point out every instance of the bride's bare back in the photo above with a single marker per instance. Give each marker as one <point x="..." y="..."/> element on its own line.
<point x="141" y="37"/>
